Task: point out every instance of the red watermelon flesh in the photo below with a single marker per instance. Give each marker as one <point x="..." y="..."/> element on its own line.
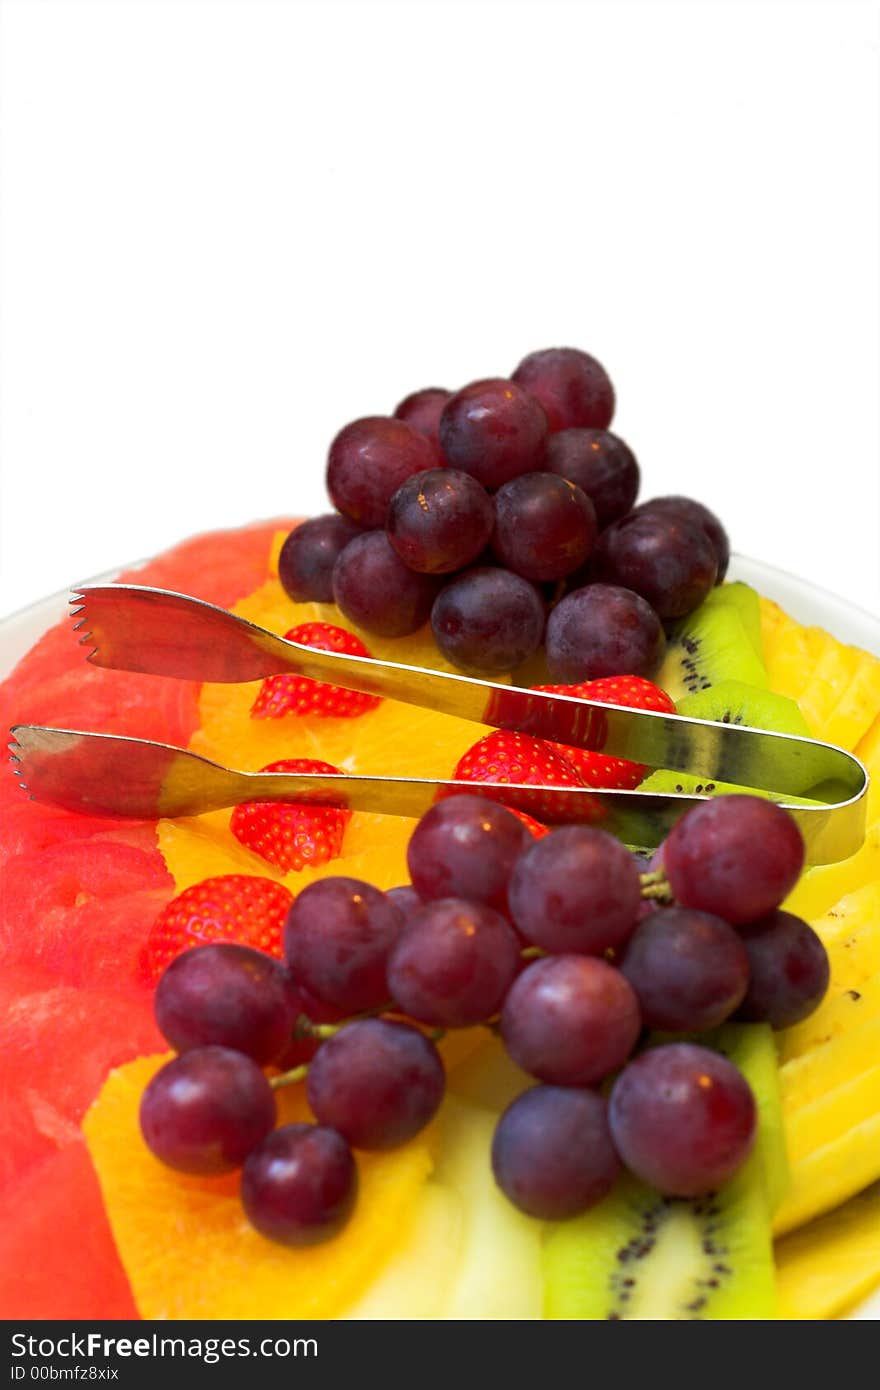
<point x="57" y="1256"/>
<point x="79" y="895"/>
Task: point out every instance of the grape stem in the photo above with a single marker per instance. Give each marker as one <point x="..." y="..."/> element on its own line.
<point x="290" y="1078"/>
<point x="656" y="885"/>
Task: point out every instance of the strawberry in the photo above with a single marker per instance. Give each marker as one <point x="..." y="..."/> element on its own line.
<point x="597" y="769"/>
<point x="291" y="836"/>
<point x="504" y="756"/>
<point x="239" y="908"/>
<point x="291" y="694"/>
<point x="534" y="827"/>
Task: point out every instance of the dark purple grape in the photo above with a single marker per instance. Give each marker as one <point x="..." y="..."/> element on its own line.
<point x="376" y="590"/>
<point x="698" y="515"/>
<point x="552" y="1153"/>
<point x="577" y="889"/>
<point x="545" y="527"/>
<point x="299" y="1186"/>
<point x="570" y="1020"/>
<point x="454" y="963"/>
<point x="493" y="430"/>
<point x="682" y="1118"/>
<point x="603" y="630"/>
<point x="440" y="521"/>
<point x="689" y="970"/>
<point x="668" y="561"/>
<point x="573" y="387"/>
<point x="305" y="565"/>
<point x="406" y="900"/>
<point x="466" y="847"/>
<point x="422" y="410"/>
<point x="601" y="465"/>
<point x="337" y="939"/>
<point x="368" y="461"/>
<point x="204" y="1112"/>
<point x="788" y="970"/>
<point x="230" y="995"/>
<point x="377" y="1083"/>
<point x="736" y="856"/>
<point x="488" y="620"/>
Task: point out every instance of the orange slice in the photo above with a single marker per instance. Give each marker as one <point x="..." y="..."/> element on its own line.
<point x="187" y="1247"/>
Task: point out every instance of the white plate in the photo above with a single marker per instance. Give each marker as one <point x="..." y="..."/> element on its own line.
<point x="803" y="601"/>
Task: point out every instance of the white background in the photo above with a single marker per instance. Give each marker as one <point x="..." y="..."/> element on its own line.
<point x="228" y="228"/>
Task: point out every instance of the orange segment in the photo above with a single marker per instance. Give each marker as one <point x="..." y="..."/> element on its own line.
<point x="187" y="1247"/>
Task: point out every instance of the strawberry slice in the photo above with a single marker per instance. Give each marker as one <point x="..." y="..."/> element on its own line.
<point x="535" y="828"/>
<point x="505" y="757"/>
<point x="597" y="769"/>
<point x="232" y="907"/>
<point x="291" y="694"/>
<point x="291" y="836"/>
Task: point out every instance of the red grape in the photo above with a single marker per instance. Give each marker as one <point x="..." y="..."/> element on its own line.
<point x="690" y="510"/>
<point x="572" y="386"/>
<point x="368" y="461"/>
<point x="337" y="939"/>
<point x="788" y="970"/>
<point x="603" y="630"/>
<point x="493" y="430"/>
<point x="577" y="889"/>
<point x="570" y="1020"/>
<point x="377" y="591"/>
<point x="552" y="1153"/>
<point x="736" y="856"/>
<point x="299" y="1185"/>
<point x="422" y="410"/>
<point x="465" y="847"/>
<point x="488" y="620"/>
<point x="682" y="1118"/>
<point x="601" y="465"/>
<point x="689" y="970"/>
<point x="454" y="963"/>
<point x="545" y="527"/>
<point x="305" y="565"/>
<point x="378" y="1083"/>
<point x="230" y="995"/>
<point x="406" y="900"/>
<point x="440" y="521"/>
<point x="669" y="562"/>
<point x="204" y="1112"/>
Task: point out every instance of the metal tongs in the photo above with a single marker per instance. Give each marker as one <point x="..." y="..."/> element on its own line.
<point x="135" y="628"/>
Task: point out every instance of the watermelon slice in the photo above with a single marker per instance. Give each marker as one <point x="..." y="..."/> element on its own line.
<point x="79" y="896"/>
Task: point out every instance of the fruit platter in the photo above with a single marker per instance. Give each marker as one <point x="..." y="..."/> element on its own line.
<point x="287" y="1059"/>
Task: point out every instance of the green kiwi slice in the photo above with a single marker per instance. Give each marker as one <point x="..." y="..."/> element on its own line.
<point x="743" y="600"/>
<point x="734" y="702"/>
<point x="709" y="646"/>
<point x="691" y="785"/>
<point x="639" y="1255"/>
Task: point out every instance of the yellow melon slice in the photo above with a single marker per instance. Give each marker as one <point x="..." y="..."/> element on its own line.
<point x="186" y="1246"/>
<point x="418" y="1277"/>
<point x="826" y="1267"/>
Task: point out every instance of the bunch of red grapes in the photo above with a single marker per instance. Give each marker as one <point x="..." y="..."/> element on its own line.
<point x="565" y="946"/>
<point x="505" y="513"/>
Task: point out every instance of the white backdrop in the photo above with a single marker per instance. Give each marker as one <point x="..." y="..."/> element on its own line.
<point x="228" y="228"/>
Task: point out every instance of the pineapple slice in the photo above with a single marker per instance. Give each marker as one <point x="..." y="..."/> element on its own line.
<point x="822" y="887"/>
<point x="826" y="1267"/>
<point x="836" y="686"/>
